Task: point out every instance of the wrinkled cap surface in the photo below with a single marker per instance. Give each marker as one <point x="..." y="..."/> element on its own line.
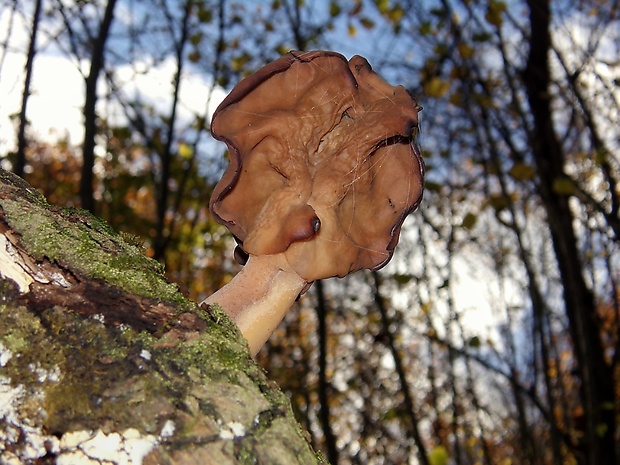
<point x="323" y="163"/>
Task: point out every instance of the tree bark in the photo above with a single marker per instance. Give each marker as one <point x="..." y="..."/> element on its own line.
<point x="597" y="377"/>
<point x="102" y="359"/>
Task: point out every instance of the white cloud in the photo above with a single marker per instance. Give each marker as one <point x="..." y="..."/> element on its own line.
<point x="153" y="85"/>
<point x="54" y="107"/>
<point x="57" y="97"/>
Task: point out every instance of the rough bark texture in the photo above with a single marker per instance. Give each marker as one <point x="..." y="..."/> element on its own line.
<point x="104" y="362"/>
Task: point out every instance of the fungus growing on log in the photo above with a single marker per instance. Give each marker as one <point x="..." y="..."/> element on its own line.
<point x="323" y="171"/>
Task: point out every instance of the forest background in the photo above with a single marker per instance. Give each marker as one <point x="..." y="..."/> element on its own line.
<point x="492" y="337"/>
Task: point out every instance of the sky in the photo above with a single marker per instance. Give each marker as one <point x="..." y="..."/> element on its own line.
<point x="57" y="98"/>
<point x="55" y="106"/>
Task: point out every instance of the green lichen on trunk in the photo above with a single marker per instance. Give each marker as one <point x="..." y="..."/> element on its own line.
<point x="117" y="348"/>
<point x="84" y="242"/>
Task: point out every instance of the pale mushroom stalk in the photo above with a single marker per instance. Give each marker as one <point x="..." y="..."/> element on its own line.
<point x="259" y="296"/>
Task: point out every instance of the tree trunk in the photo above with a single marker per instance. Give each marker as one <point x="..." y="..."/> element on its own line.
<point x="20" y="162"/>
<point x="90" y="109"/>
<point x="102" y="359"/>
<point x="413" y="429"/>
<point x="596" y="376"/>
<point x="324" y="386"/>
<point x="162" y="237"/>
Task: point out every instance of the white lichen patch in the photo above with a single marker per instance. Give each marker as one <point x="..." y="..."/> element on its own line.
<point x="100" y="317"/>
<point x="232" y="430"/>
<point x="22" y="439"/>
<point x="72" y="440"/>
<point x="5" y="355"/>
<point x="129" y="447"/>
<point x="59" y="280"/>
<point x="44" y="375"/>
<point x="168" y="429"/>
<point x="103" y="447"/>
<point x="17" y="434"/>
<point x="85" y="447"/>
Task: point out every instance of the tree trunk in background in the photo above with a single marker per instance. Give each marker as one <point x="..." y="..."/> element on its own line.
<point x="408" y="401"/>
<point x="90" y="111"/>
<point x="22" y="143"/>
<point x="324" y="386"/>
<point x="162" y="237"/>
<point x="539" y="340"/>
<point x="597" y="387"/>
<point x="104" y="361"/>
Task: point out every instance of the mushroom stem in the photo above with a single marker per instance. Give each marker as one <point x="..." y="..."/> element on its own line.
<point x="259" y="296"/>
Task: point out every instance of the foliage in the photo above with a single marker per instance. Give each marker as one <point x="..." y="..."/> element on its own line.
<point x="493" y="335"/>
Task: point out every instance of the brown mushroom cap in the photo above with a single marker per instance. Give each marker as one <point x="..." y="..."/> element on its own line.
<point x="323" y="165"/>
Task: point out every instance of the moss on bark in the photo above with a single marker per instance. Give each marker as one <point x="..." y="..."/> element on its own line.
<point x="102" y="359"/>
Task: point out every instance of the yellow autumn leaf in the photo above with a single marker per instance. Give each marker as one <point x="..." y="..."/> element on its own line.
<point x="564" y="186"/>
<point x="185" y="150"/>
<point x="426" y="307"/>
<point x="466" y="51"/>
<point x="382" y="5"/>
<point x="469" y="221"/>
<point x="194" y="56"/>
<point x="436" y="87"/>
<point x="495" y="11"/>
<point x="395" y="14"/>
<point x="522" y="171"/>
<point x="438" y="456"/>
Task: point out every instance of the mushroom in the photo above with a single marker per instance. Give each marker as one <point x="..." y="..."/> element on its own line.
<point x="323" y="171"/>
